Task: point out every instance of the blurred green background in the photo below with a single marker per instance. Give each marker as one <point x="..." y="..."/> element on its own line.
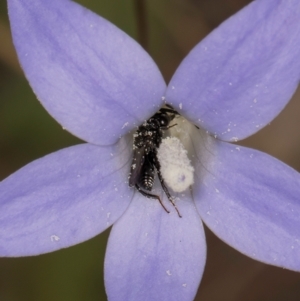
<point x="168" y="29"/>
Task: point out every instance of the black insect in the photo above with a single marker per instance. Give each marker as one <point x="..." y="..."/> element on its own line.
<point x="146" y="141"/>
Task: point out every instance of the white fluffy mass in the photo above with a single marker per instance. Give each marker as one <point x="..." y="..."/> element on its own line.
<point x="176" y="168"/>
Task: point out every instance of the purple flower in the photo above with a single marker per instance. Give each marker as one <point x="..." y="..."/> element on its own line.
<point x="100" y="84"/>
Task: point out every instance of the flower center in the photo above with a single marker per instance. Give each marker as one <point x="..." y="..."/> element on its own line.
<point x="160" y="147"/>
<point x="176" y="168"/>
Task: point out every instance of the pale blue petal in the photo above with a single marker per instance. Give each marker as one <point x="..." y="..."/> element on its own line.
<point x="63" y="199"/>
<point x="252" y="202"/>
<point x="90" y="76"/>
<point x="242" y="75"/>
<point x="152" y="255"/>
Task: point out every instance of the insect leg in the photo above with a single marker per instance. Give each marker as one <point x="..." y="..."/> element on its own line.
<point x="151" y="196"/>
<point x="163" y="185"/>
<point x="171" y="111"/>
<point x="170" y="126"/>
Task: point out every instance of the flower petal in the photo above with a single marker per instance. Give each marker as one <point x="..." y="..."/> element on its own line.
<point x="252" y="201"/>
<point x="63" y="199"/>
<point x="93" y="78"/>
<point x="242" y="75"/>
<point x="152" y="255"/>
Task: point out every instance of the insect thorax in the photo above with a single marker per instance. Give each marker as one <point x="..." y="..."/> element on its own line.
<point x="148" y="135"/>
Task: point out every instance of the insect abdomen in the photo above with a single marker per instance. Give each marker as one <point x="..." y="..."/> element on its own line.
<point x="147" y="176"/>
<point x="147" y="182"/>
